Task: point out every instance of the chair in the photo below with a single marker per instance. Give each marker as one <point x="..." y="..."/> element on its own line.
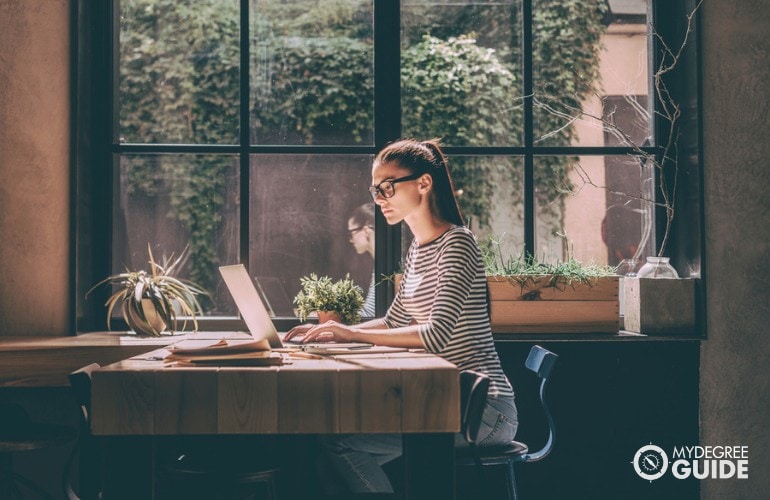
<point x="473" y="394"/>
<point x="18" y="433"/>
<point x="90" y="470"/>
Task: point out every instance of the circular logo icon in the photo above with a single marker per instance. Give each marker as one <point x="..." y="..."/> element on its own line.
<point x="650" y="462"/>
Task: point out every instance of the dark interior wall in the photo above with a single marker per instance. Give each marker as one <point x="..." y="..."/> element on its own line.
<point x="735" y="378"/>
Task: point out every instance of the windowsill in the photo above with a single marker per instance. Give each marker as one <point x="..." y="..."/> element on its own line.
<point x="621" y="336"/>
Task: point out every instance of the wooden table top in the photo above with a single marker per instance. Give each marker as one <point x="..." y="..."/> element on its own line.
<point x="45" y="361"/>
<point x="396" y="392"/>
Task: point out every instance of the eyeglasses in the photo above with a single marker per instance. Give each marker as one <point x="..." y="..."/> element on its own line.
<point x="352" y="232"/>
<point x="386" y="188"/>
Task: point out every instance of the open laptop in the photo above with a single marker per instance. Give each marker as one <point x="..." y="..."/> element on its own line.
<point x="258" y="321"/>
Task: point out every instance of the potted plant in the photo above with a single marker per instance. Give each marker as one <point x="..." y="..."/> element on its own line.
<point x="323" y="296"/>
<point x="151" y="301"/>
<point x="529" y="296"/>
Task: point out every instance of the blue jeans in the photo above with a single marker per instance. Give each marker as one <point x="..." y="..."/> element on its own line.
<point x="358" y="458"/>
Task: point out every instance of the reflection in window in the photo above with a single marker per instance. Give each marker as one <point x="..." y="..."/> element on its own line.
<point x="299" y="210"/>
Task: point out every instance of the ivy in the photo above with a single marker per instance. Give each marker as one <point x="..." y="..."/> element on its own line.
<point x="179" y="83"/>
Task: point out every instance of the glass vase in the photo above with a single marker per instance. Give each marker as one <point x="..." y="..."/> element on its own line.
<point x="657" y="267"/>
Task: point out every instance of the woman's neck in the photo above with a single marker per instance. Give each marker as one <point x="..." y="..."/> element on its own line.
<point x="427" y="229"/>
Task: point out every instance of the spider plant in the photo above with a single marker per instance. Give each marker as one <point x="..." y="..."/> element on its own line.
<point x="152" y="301"/>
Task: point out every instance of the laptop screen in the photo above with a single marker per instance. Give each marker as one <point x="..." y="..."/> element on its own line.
<point x="249" y="304"/>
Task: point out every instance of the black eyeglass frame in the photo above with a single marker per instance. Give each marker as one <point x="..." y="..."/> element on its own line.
<point x="353" y="231"/>
<point x="373" y="190"/>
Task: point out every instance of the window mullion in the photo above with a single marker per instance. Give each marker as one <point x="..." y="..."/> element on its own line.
<point x="528" y="116"/>
<point x="387" y="127"/>
<point x="244" y="135"/>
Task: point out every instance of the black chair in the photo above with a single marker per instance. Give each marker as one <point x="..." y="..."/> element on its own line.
<point x="87" y="450"/>
<point x="18" y="433"/>
<point x="473" y="394"/>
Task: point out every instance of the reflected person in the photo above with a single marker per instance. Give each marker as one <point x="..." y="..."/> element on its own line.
<point x="361" y="235"/>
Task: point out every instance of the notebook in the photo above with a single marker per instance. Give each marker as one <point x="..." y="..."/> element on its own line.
<point x="260" y="326"/>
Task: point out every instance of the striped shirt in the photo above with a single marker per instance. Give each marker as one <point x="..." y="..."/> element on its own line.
<point x="444" y="291"/>
<point x="368" y="310"/>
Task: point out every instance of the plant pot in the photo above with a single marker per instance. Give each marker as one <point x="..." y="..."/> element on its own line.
<point x="152" y="326"/>
<point x="659" y="306"/>
<point x="324" y="316"/>
<point x="537" y="304"/>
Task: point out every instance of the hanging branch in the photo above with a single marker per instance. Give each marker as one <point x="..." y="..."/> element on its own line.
<point x="666" y="163"/>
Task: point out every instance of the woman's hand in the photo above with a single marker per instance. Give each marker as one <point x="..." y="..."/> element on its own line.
<point x="297" y="331"/>
<point x="331" y="331"/>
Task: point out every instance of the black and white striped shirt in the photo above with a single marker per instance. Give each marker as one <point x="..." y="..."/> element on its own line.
<point x="444" y="291"/>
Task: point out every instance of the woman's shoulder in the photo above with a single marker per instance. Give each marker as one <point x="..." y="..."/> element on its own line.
<point x="460" y="235"/>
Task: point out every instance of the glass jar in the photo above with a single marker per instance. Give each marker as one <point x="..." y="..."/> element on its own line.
<point x="657" y="267"/>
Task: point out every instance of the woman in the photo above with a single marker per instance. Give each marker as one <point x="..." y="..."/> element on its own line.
<point x="361" y="235"/>
<point x="441" y="304"/>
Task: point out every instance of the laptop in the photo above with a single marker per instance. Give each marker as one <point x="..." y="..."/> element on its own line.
<point x="250" y="304"/>
<point x="258" y="321"/>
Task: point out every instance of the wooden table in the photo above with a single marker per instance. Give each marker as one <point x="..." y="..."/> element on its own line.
<point x="416" y="394"/>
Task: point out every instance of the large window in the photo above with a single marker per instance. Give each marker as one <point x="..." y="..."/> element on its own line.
<point x="244" y="131"/>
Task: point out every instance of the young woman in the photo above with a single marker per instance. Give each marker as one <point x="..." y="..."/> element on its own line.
<point x="441" y="304"/>
<point x="361" y="235"/>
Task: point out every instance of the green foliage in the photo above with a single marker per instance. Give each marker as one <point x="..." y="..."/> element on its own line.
<point x="522" y="268"/>
<point x="312" y="83"/>
<point x="323" y="294"/>
<point x="319" y="88"/>
<point x="166" y="293"/>
<point x="454" y="89"/>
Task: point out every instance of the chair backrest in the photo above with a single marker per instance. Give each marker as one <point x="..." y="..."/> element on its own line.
<point x="542" y="362"/>
<point x="474" y="387"/>
<point x="80" y="381"/>
<point x="89" y="464"/>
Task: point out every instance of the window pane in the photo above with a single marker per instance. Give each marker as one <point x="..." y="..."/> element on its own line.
<point x="598" y="210"/>
<point x="312" y="76"/>
<point x="176" y="201"/>
<point x="299" y="211"/>
<point x="490" y="191"/>
<point x="460" y="72"/>
<point x="586" y="54"/>
<point x="179" y="71"/>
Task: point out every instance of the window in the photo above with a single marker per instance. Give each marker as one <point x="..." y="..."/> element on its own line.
<point x="244" y="131"/>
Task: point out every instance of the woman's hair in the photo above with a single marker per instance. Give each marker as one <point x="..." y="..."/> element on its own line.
<point x="363" y="215"/>
<point x="426" y="157"/>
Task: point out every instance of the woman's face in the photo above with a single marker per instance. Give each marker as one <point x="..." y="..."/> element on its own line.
<point x="406" y="198"/>
<point x="359" y="236"/>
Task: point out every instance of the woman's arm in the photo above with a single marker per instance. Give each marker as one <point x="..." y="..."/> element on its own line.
<point x="371" y="332"/>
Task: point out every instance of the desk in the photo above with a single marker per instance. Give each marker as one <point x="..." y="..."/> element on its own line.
<point x="416" y="394"/>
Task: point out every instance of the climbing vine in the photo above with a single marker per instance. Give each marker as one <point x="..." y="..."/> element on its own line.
<point x="179" y="84"/>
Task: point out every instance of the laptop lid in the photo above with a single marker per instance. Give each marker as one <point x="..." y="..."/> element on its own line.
<point x="249" y="304"/>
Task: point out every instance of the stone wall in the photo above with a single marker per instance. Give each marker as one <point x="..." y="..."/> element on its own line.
<point x="735" y="359"/>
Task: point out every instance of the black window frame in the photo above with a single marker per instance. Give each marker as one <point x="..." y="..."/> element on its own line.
<point x="97" y="146"/>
